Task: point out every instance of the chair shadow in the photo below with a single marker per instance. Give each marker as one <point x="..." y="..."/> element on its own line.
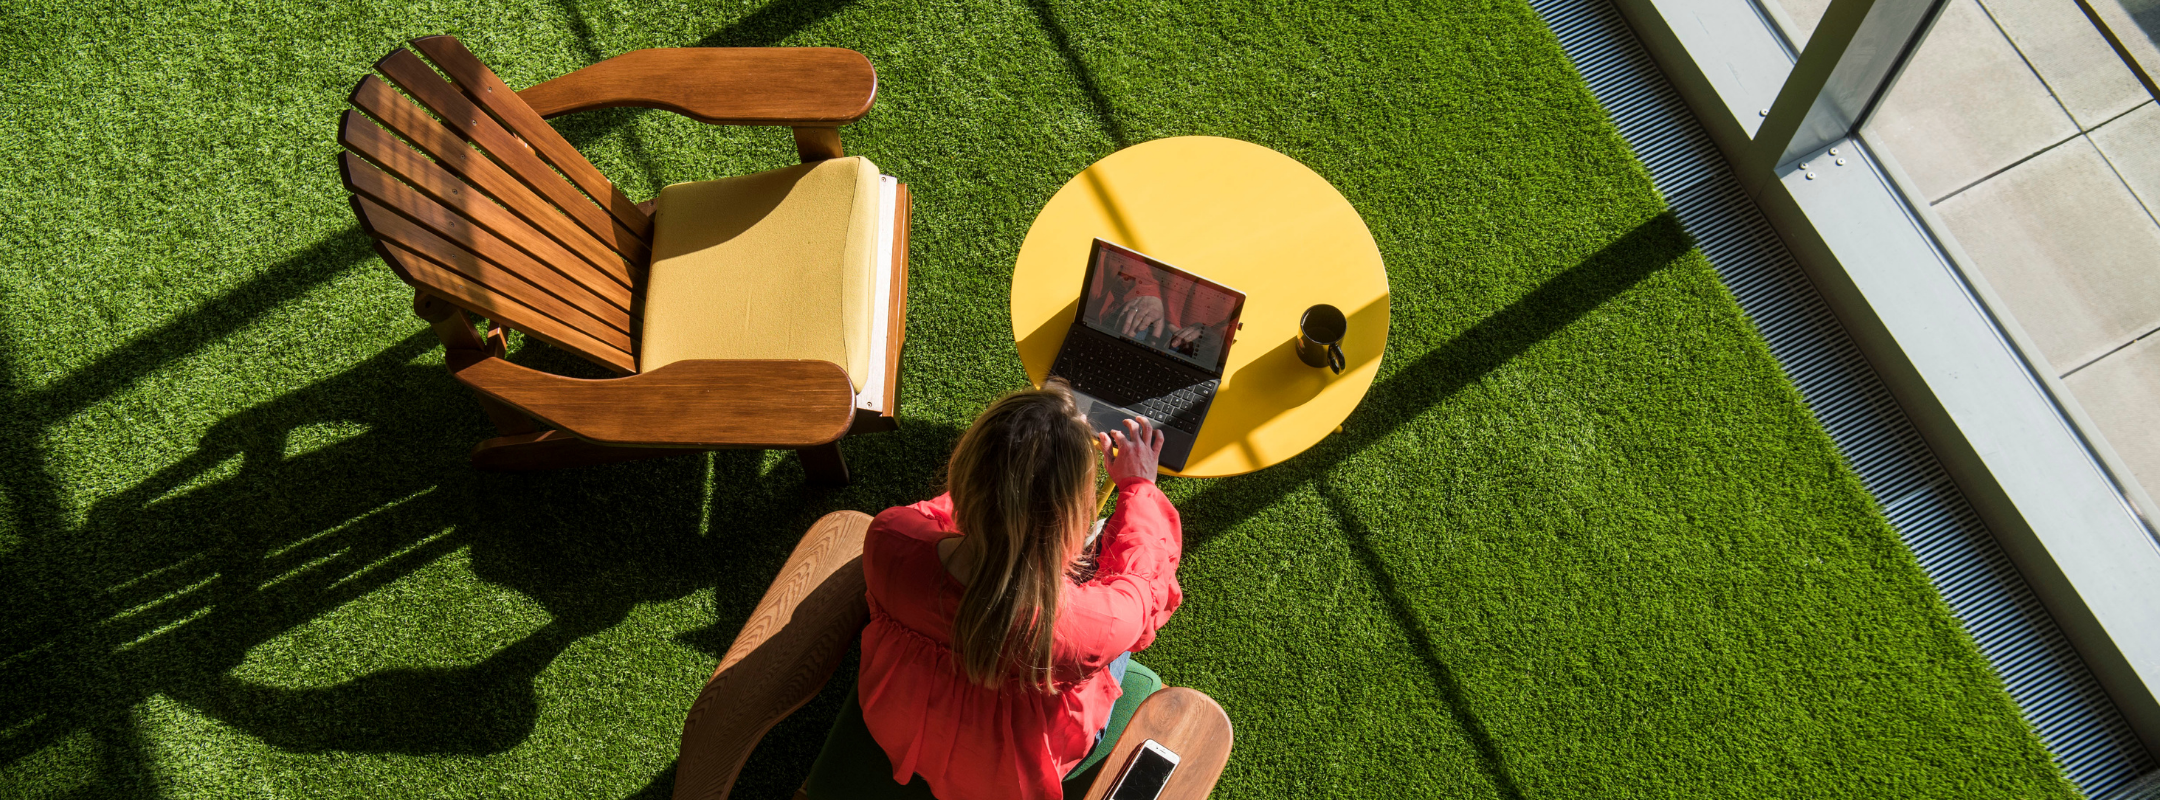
<point x="165" y="587"/>
<point x="199" y="567"/>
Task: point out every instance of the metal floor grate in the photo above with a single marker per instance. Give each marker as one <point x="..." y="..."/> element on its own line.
<point x="2057" y="693"/>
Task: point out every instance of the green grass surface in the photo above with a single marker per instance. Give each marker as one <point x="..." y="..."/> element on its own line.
<point x="1581" y="540"/>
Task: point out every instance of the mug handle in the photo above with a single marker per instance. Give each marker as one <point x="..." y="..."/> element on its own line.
<point x="1335" y="358"/>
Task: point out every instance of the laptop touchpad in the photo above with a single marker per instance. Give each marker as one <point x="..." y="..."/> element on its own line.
<point x="1101" y="416"/>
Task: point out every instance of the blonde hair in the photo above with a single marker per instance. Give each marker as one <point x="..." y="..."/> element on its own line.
<point x="1023" y="491"/>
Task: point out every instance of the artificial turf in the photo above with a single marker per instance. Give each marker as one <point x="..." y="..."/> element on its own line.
<point x="1581" y="540"/>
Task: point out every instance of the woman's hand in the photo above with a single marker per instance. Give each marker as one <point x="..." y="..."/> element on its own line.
<point x="1136" y="454"/>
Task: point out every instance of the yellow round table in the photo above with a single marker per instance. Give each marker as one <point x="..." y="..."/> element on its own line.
<point x="1246" y="217"/>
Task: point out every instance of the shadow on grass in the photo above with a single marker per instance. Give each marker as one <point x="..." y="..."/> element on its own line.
<point x="1417" y="389"/>
<point x="1098" y="102"/>
<point x="196" y="329"/>
<point x="764" y="27"/>
<point x="1490" y="762"/>
<point x="39" y="605"/>
<point x="292" y="508"/>
<point x="1436" y="376"/>
<point x="772" y="22"/>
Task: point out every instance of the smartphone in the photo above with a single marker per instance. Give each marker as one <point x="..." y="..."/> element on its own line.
<point x="1146" y="773"/>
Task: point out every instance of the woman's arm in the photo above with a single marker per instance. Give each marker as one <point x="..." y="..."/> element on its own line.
<point x="938" y="508"/>
<point x="892" y="530"/>
<point x="1143" y="537"/>
<point x="929" y="520"/>
<point x="1135" y="587"/>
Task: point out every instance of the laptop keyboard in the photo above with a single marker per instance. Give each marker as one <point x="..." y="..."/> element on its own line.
<point x="1113" y="375"/>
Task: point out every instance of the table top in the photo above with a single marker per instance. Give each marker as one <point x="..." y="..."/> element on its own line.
<point x="1244" y="216"/>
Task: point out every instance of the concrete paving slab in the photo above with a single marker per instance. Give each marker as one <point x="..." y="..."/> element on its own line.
<point x="2119" y="393"/>
<point x="2068" y="248"/>
<point x="1967" y="106"/>
<point x="1806" y="14"/>
<point x="2072" y="57"/>
<point x="2132" y="144"/>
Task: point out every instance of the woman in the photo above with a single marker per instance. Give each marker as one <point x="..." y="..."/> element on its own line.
<point x="987" y="668"/>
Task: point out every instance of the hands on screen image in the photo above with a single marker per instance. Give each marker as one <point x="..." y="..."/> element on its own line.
<point x="1187" y="339"/>
<point x="1140" y="317"/>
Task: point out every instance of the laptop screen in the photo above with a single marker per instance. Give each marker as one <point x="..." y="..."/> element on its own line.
<point x="1161" y="307"/>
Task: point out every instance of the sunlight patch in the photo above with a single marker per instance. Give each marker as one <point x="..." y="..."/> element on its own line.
<point x="771" y="461"/>
<point x="315" y="436"/>
<point x="167" y="601"/>
<point x="65" y="766"/>
<point x="441" y="615"/>
<point x="222" y="470"/>
<point x="193" y="755"/>
<point x="357" y="519"/>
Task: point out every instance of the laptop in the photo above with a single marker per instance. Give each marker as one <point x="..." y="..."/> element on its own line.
<point x="1150" y="341"/>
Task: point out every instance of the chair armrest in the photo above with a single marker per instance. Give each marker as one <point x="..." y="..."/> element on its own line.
<point x="818" y="87"/>
<point x="813" y="612"/>
<point x="702" y="403"/>
<point x="1188" y="722"/>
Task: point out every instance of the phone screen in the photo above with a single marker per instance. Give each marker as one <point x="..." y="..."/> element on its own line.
<point x="1146" y="777"/>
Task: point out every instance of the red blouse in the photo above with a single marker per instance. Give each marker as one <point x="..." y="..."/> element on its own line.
<point x="973" y="743"/>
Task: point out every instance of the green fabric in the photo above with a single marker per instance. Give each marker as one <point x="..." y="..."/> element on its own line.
<point x="1138" y="684"/>
<point x="852" y="766"/>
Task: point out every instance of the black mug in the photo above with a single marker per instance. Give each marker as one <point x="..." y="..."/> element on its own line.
<point x="1320" y="335"/>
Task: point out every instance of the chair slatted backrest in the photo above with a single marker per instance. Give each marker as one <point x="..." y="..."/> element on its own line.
<point x="473" y="198"/>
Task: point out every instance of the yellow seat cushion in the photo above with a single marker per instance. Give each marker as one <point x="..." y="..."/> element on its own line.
<point x="779" y="264"/>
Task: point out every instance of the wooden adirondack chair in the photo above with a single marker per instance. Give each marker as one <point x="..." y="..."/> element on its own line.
<point x="810" y="616"/>
<point x="728" y="329"/>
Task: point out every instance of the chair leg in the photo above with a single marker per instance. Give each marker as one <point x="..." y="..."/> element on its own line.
<point x="532" y="452"/>
<point x="823" y="464"/>
<point x="456" y="332"/>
